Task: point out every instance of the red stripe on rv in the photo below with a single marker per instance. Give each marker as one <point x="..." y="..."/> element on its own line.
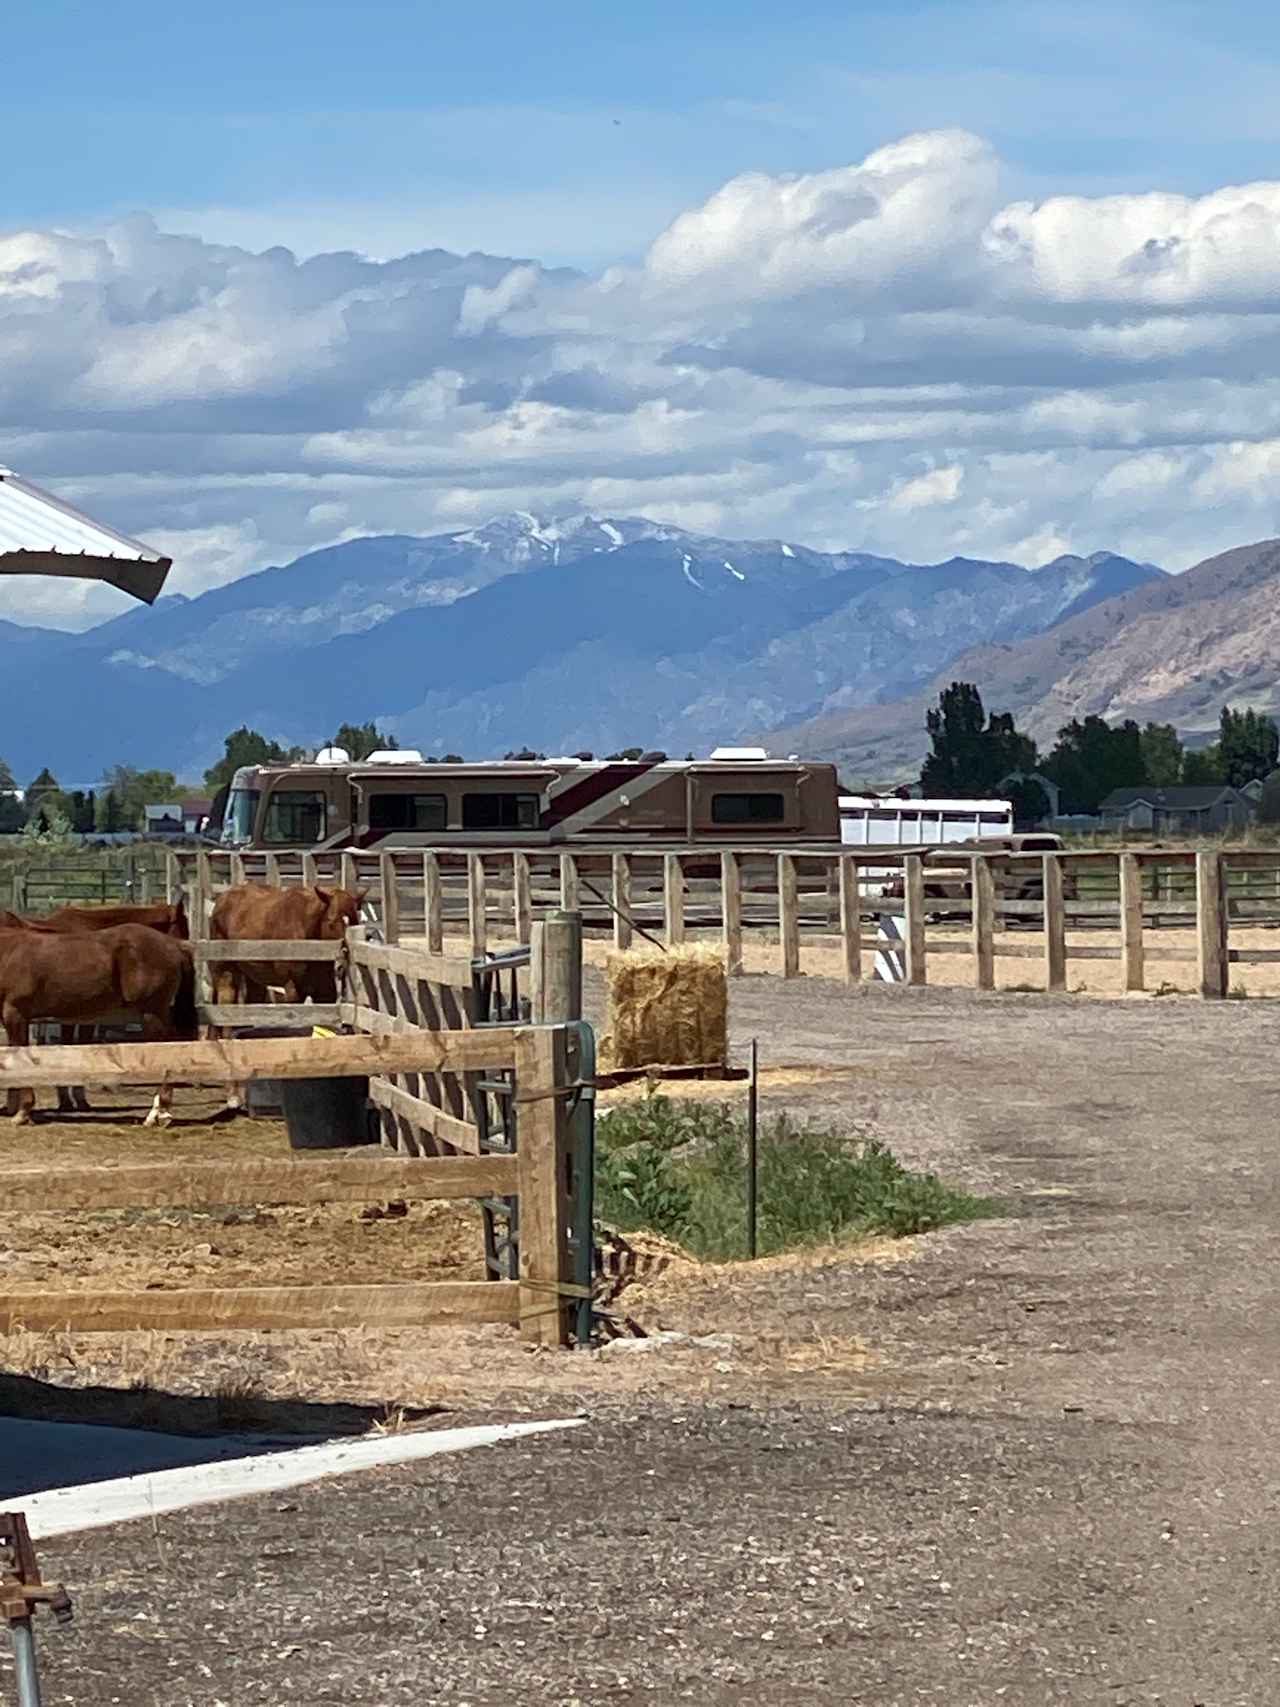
<point x="579" y="795"/>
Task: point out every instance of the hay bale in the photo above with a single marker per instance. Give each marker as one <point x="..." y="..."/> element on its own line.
<point x="667" y="1009"/>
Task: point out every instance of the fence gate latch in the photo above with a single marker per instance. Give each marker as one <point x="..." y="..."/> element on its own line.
<point x="21" y="1592"/>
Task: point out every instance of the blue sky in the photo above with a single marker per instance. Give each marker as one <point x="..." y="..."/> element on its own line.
<point x="576" y="131"/>
<point x="917" y="279"/>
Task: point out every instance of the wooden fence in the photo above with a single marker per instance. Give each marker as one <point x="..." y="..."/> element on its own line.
<point x="795" y="900"/>
<point x="435" y="1076"/>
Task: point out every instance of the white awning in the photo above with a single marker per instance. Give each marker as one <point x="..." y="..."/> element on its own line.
<point x="40" y="535"/>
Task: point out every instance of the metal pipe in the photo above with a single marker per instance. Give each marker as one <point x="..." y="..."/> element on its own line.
<point x="753" y="1154"/>
<point x="583" y="1128"/>
<point x="24" y="1662"/>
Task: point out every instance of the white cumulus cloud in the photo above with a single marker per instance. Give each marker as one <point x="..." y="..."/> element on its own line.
<point x="885" y="355"/>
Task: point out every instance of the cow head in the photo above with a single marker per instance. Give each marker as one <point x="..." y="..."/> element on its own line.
<point x="341" y="909"/>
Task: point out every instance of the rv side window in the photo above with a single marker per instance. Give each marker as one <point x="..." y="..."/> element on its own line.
<point x="407" y="812"/>
<point x="500" y="811"/>
<point x="294" y="819"/>
<point x="747" y="809"/>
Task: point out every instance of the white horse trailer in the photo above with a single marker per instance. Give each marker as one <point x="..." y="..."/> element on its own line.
<point x="866" y="821"/>
<point x="870" y="822"/>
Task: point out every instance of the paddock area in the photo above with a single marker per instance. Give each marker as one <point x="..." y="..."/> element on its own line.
<point x="1027" y="1460"/>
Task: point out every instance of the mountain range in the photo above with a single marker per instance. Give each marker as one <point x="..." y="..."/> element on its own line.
<point x="577" y="631"/>
<point x="1170" y="650"/>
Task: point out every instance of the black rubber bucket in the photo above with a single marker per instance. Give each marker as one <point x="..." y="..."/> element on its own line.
<point x="328" y="1114"/>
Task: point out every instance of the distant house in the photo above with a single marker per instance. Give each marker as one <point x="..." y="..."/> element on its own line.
<point x="195" y="815"/>
<point x="1180" y="811"/>
<point x="162" y="820"/>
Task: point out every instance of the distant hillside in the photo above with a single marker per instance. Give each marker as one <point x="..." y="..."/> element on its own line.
<point x="561" y="633"/>
<point x="1173" y="649"/>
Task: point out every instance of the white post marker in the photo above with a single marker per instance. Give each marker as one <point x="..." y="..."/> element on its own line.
<point x="890" y="965"/>
<point x="94" y="1505"/>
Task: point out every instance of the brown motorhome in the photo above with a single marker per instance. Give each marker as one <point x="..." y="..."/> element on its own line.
<point x="397" y="799"/>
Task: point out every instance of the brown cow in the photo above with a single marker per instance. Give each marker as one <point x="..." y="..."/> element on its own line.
<point x="170" y="919"/>
<point x="84" y="975"/>
<point x="253" y="912"/>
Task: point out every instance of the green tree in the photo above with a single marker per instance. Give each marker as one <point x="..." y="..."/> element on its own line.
<point x="1269" y="805"/>
<point x="361" y="739"/>
<point x="1161" y="755"/>
<point x="49" y="827"/>
<point x="245" y="746"/>
<point x="971" y="752"/>
<point x="45" y="796"/>
<point x="1030" y="801"/>
<point x="1249" y="744"/>
<point x="135" y="789"/>
<point x="110" y="816"/>
<point x="12" y="813"/>
<point x="1203" y="765"/>
<point x="1091" y="758"/>
<point x="82" y="811"/>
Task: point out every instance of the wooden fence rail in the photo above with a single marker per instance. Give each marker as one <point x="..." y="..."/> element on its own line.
<point x="789" y="901"/>
<point x="539" y="1174"/>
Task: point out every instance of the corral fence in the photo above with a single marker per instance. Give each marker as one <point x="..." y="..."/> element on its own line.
<point x="474" y="1104"/>
<point x="36" y="884"/>
<point x="795" y="899"/>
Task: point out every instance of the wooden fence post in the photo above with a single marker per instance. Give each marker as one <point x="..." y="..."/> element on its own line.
<point x="569" y="899"/>
<point x="271" y="870"/>
<point x="477" y="906"/>
<point x="202" y="896"/>
<point x="555" y="969"/>
<point x="913" y="917"/>
<point x="521" y="896"/>
<point x="731" y="913"/>
<point x="1055" y="926"/>
<point x="622" y="901"/>
<point x="673" y="899"/>
<point x="390" y="897"/>
<point x="983" y="908"/>
<point x="310" y="875"/>
<point x="1211" y="924"/>
<point x="236" y="872"/>
<point x="172" y="877"/>
<point x="545" y="1160"/>
<point x="1132" y="965"/>
<point x="788" y="916"/>
<point x="348" y="877"/>
<point x="432" y="904"/>
<point x="850" y="917"/>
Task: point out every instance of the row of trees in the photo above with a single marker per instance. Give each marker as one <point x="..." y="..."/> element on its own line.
<point x="246" y="746"/>
<point x="973" y="753"/>
<point x="117" y="805"/>
<point x="46" y="808"/>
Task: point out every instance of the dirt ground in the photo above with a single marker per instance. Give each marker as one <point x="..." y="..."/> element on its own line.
<point x="1019" y="959"/>
<point x="1027" y="1460"/>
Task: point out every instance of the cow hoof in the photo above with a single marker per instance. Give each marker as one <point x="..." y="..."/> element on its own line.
<point x="83" y="1105"/>
<point x="158" y="1117"/>
<point x="22" y="1118"/>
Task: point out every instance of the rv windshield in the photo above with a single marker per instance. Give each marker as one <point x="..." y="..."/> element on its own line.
<point x="242" y="808"/>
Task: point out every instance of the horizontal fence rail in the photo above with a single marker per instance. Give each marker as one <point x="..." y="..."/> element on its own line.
<point x="435" y="1070"/>
<point x="768" y="909"/>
